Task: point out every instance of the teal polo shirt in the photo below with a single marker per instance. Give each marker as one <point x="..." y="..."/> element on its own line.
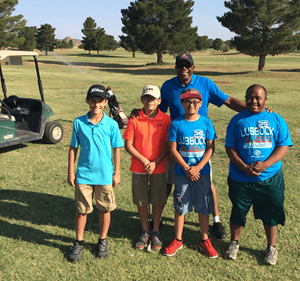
<point x="95" y="165"/>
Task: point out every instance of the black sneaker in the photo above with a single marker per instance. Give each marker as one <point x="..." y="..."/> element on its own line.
<point x="75" y="253"/>
<point x="156" y="241"/>
<point x="103" y="251"/>
<point x="218" y="230"/>
<point x="143" y="241"/>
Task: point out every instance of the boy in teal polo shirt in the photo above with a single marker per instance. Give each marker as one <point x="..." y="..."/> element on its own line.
<point x="96" y="134"/>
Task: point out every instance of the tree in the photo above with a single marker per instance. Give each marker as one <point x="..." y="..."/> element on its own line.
<point x="229" y="43"/>
<point x="160" y="26"/>
<point x="225" y="48"/>
<point x="89" y="30"/>
<point x="263" y="27"/>
<point x="100" y="40"/>
<point x="71" y="43"/>
<point x="46" y="38"/>
<point x="202" y="43"/>
<point x="111" y="43"/>
<point x="29" y="35"/>
<point x="217" y="43"/>
<point x="128" y="43"/>
<point x="10" y="25"/>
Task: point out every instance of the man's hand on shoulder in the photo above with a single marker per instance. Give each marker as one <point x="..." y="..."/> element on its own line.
<point x="134" y="113"/>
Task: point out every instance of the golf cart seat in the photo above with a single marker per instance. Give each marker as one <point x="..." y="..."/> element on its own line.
<point x="5" y="117"/>
<point x="5" y="114"/>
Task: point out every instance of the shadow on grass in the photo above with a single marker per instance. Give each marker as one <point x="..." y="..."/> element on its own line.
<point x="285" y="70"/>
<point x="58" y="211"/>
<point x="91" y="64"/>
<point x="11" y="148"/>
<point x="140" y="69"/>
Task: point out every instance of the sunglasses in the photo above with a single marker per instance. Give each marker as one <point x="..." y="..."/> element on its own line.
<point x="180" y="66"/>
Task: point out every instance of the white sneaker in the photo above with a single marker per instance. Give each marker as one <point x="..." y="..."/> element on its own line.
<point x="271" y="255"/>
<point x="232" y="250"/>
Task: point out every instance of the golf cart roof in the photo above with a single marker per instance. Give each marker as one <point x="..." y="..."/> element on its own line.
<point x="5" y="54"/>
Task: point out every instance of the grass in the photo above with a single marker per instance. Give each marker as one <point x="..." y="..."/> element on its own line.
<point x="37" y="205"/>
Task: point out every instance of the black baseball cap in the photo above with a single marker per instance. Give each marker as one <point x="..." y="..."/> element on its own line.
<point x="184" y="57"/>
<point x="97" y="91"/>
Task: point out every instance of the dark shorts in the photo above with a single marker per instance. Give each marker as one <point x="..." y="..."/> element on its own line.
<point x="197" y="194"/>
<point x="266" y="196"/>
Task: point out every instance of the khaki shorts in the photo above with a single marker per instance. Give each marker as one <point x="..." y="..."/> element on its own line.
<point x="170" y="172"/>
<point x="158" y="189"/>
<point x="104" y="196"/>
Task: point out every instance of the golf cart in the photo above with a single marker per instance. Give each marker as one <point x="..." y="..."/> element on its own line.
<point x="24" y="119"/>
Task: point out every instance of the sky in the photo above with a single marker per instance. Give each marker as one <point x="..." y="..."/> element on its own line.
<point x="68" y="16"/>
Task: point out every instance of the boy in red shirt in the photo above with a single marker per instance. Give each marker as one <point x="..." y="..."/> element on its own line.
<point x="146" y="141"/>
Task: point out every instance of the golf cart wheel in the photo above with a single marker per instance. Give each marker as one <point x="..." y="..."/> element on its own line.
<point x="53" y="132"/>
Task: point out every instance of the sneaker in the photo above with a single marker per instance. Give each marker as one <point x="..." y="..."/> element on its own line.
<point x="103" y="251"/>
<point x="218" y="230"/>
<point x="173" y="247"/>
<point x="75" y="253"/>
<point x="232" y="250"/>
<point x="156" y="241"/>
<point x="271" y="255"/>
<point x="143" y="241"/>
<point x="209" y="250"/>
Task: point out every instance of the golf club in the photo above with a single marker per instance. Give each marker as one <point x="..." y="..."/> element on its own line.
<point x="149" y="212"/>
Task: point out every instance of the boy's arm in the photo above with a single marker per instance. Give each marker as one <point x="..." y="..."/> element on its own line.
<point x="235" y="157"/>
<point x="71" y="161"/>
<point x="275" y="157"/>
<point x="150" y="167"/>
<point x="195" y="170"/>
<point x="117" y="164"/>
<point x="133" y="152"/>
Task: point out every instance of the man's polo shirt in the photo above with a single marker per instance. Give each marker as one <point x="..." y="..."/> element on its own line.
<point x="95" y="165"/>
<point x="148" y="137"/>
<point x="172" y="89"/>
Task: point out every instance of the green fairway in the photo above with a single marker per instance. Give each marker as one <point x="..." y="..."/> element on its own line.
<point x="37" y="207"/>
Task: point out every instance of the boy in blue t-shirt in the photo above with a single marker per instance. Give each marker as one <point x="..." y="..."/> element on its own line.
<point x="96" y="134"/>
<point x="192" y="145"/>
<point x="256" y="142"/>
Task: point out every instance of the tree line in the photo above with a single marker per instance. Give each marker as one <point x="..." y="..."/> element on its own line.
<point x="262" y="27"/>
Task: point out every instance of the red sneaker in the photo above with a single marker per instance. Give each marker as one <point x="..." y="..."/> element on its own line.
<point x="173" y="247"/>
<point x="209" y="250"/>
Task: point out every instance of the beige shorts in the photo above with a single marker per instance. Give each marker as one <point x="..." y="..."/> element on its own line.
<point x="170" y="172"/>
<point x="158" y="189"/>
<point x="104" y="196"/>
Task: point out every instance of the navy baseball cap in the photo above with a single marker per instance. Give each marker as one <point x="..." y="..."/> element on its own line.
<point x="184" y="57"/>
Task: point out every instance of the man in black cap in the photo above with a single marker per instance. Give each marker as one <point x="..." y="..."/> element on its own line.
<point x="171" y="91"/>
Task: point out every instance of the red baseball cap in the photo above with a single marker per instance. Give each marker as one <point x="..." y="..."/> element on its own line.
<point x="191" y="93"/>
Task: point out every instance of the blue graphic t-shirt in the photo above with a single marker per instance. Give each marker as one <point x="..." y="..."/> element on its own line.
<point x="256" y="136"/>
<point x="172" y="89"/>
<point x="191" y="137"/>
